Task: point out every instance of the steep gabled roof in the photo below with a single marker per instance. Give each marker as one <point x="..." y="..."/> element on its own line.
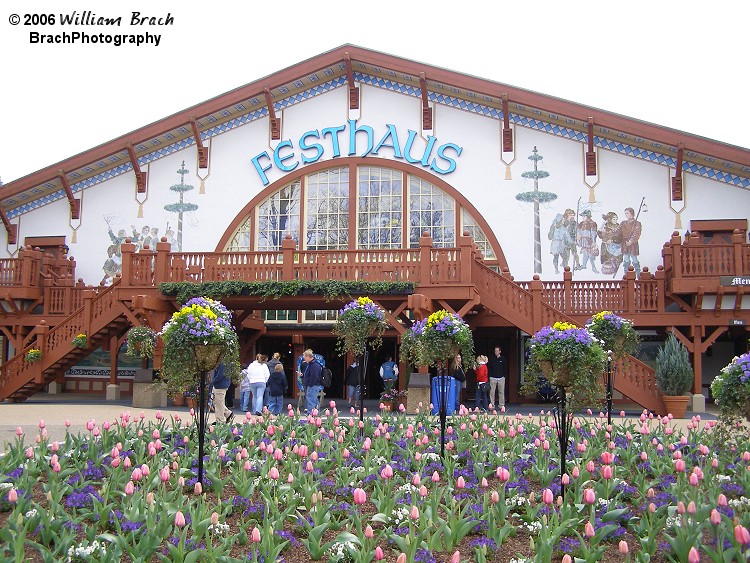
<point x="329" y="70"/>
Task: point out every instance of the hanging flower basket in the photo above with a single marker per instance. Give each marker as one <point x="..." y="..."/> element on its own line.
<point x="33" y="355"/>
<point x="436" y="340"/>
<point x="196" y="339"/>
<point x="141" y="342"/>
<point x="79" y="341"/>
<point x="569" y="357"/>
<point x="616" y="333"/>
<point x="731" y="388"/>
<point x="360" y="322"/>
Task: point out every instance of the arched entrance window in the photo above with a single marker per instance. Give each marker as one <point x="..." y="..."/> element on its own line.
<point x="360" y="206"/>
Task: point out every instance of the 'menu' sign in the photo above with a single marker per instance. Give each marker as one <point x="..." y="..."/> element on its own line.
<point x="352" y="140"/>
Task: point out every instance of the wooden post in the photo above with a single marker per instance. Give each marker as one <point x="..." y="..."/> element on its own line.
<point x="737" y="244"/>
<point x="113" y="350"/>
<point x="288" y="247"/>
<point x="127" y="249"/>
<point x="88" y="297"/>
<point x="630" y="291"/>
<point x="425" y="255"/>
<point x="536" y="304"/>
<point x="568" y="290"/>
<point x="660" y="288"/>
<point x="162" y="265"/>
<point x="466" y="246"/>
<point x="697" y="360"/>
<point x="676" y="244"/>
<point x="41" y="331"/>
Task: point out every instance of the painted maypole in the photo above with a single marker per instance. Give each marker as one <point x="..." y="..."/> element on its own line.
<point x="536" y="197"/>
<point x="180" y="207"/>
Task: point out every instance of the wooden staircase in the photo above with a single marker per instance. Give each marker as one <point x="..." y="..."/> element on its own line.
<point x="101" y="316"/>
<point x="530" y="313"/>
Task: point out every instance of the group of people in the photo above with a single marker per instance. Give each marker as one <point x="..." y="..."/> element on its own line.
<point x="491" y="373"/>
<point x="619" y="241"/>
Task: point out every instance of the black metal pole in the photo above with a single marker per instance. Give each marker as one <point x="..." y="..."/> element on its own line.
<point x="562" y="421"/>
<point x="610" y="385"/>
<point x="201" y="425"/>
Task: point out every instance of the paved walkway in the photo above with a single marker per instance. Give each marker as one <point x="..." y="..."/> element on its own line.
<point x="55" y="410"/>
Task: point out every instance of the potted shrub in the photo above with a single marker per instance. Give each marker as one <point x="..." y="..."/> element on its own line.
<point x="731" y="389"/>
<point x="359" y="322"/>
<point x="674" y="375"/>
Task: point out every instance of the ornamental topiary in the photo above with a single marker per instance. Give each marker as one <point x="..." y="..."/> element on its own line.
<point x="674" y="374"/>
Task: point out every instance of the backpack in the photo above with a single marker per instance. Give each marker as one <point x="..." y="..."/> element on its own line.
<point x="326" y="377"/>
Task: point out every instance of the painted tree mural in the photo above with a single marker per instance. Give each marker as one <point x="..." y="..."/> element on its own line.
<point x="180" y="207"/>
<point x="536" y="197"/>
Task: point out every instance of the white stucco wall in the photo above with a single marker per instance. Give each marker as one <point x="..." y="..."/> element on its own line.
<point x="479" y="176"/>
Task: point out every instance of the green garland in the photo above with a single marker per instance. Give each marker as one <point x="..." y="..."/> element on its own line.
<point x="331" y="289"/>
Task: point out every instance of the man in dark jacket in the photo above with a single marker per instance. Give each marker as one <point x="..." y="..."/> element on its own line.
<point x="221" y="383"/>
<point x="276" y="387"/>
<point x="498" y="369"/>
<point x="312" y="373"/>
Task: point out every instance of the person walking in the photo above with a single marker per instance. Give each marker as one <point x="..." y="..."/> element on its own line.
<point x="352" y="382"/>
<point x="244" y="391"/>
<point x="220" y="383"/>
<point x="498" y="369"/>
<point x="258" y="374"/>
<point x="460" y="376"/>
<point x="389" y="373"/>
<point x="272" y="363"/>
<point x="277" y="387"/>
<point x="482" y="399"/>
<point x="311" y="379"/>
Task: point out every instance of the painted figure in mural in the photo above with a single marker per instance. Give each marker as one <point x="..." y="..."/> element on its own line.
<point x="139" y="239"/>
<point x="171" y="240"/>
<point x="113" y="264"/>
<point x="562" y="234"/>
<point x="631" y="233"/>
<point x="586" y="241"/>
<point x="152" y="238"/>
<point x="611" y="236"/>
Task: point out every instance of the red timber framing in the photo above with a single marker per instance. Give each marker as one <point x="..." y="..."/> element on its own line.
<point x="452" y="278"/>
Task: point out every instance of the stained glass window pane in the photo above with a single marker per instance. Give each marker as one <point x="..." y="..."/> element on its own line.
<point x="379" y="207"/>
<point x="278" y="216"/>
<point x="431" y="210"/>
<point x="327" y="210"/>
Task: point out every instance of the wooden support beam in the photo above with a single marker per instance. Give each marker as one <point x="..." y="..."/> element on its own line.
<point x="202" y="151"/>
<point x="75" y="204"/>
<point x="507" y="133"/>
<point x="275" y="122"/>
<point x="140" y="176"/>
<point x="590" y="154"/>
<point x="9" y="227"/>
<point x="353" y="90"/>
<point x="738" y="299"/>
<point x="426" y="109"/>
<point x="677" y="178"/>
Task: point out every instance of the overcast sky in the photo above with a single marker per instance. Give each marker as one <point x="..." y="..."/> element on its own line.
<point x="678" y="64"/>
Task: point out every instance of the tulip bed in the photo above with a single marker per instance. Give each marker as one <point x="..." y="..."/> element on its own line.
<point x="323" y="488"/>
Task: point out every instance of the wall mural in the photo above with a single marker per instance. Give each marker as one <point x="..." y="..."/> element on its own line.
<point x="146" y="235"/>
<point x="573" y="233"/>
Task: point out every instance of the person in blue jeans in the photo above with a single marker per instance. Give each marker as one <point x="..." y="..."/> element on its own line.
<point x="277" y="386"/>
<point x="311" y="379"/>
<point x="220" y="383"/>
<point x="460" y="376"/>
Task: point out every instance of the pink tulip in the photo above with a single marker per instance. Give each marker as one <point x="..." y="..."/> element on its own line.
<point x="721" y="500"/>
<point x="56" y="468"/>
<point x="691" y="508"/>
<point x="693" y="480"/>
<point x="693" y="556"/>
<point x="742" y="535"/>
<point x="503" y="474"/>
<point x="414" y="513"/>
<point x="575" y="473"/>
<point x="179" y="519"/>
<point x="29" y="452"/>
<point x="273" y="473"/>
<point x="622" y="547"/>
<point x="129" y="488"/>
<point x="495" y="497"/>
<point x="590" y="467"/>
<point x="679" y="465"/>
<point x="681" y="507"/>
<point x="255" y="535"/>
<point x="360" y="496"/>
<point x="12" y="495"/>
<point x="379" y="554"/>
<point x="589" y="496"/>
<point x="423" y="491"/>
<point x="164" y="474"/>
<point x="435" y="477"/>
<point x="589" y="530"/>
<point x="460" y="483"/>
<point x="567" y="559"/>
<point x="19" y="431"/>
<point x="607" y="472"/>
<point x="198" y="489"/>
<point x="565" y="479"/>
<point x="715" y="517"/>
<point x="401" y="558"/>
<point x="416" y="480"/>
<point x="456" y="557"/>
<point x="387" y="471"/>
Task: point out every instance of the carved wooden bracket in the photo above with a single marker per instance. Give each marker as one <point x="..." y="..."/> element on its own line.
<point x="75" y="204"/>
<point x="507" y="133"/>
<point x="202" y="151"/>
<point x="677" y="178"/>
<point x="426" y="109"/>
<point x="140" y="176"/>
<point x="10" y="227"/>
<point x="590" y="155"/>
<point x="274" y="120"/>
<point x="353" y="90"/>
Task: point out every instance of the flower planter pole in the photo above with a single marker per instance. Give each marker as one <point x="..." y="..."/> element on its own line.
<point x="443" y="394"/>
<point x="563" y="421"/>
<point x="361" y="369"/>
<point x="207" y="357"/>
<point x="610" y="381"/>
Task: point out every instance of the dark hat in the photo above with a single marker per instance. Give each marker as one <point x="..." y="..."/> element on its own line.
<point x="587" y="213"/>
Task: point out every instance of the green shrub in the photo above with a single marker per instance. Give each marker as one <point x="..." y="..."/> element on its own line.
<point x="674" y="374"/>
